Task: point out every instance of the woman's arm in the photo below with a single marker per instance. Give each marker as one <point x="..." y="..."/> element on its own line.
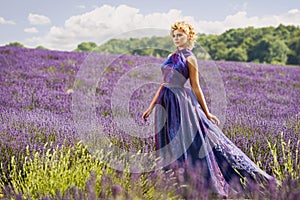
<point x="194" y="80"/>
<point x="152" y="104"/>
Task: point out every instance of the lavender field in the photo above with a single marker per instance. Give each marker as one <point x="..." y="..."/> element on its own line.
<point x="42" y="155"/>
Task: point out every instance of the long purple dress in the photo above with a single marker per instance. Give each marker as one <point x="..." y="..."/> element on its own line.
<point x="183" y="132"/>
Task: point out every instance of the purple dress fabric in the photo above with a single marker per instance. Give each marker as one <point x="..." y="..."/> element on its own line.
<point x="183" y="132"/>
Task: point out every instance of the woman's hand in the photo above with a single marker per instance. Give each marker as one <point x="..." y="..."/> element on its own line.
<point x="213" y="119"/>
<point x="147" y="113"/>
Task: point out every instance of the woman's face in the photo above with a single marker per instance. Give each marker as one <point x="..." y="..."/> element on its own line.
<point x="180" y="39"/>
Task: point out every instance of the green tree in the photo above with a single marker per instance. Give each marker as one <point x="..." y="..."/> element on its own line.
<point x="40" y="47"/>
<point x="260" y="51"/>
<point x="86" y="46"/>
<point x="277" y="52"/>
<point x="237" y="54"/>
<point x="218" y="51"/>
<point x="233" y="37"/>
<point x="294" y="45"/>
<point x="282" y="31"/>
<point x="15" y="44"/>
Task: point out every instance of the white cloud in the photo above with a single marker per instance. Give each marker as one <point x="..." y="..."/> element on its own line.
<point x="106" y="22"/>
<point x="241" y="20"/>
<point x="35" y="19"/>
<point x="80" y="6"/>
<point x="31" y="30"/>
<point x="4" y="21"/>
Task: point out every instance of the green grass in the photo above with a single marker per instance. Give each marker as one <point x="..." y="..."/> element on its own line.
<point x="55" y="171"/>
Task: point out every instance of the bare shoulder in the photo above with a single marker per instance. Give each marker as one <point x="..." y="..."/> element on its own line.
<point x="192" y="60"/>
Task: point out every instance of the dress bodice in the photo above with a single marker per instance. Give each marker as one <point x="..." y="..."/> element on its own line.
<point x="175" y="70"/>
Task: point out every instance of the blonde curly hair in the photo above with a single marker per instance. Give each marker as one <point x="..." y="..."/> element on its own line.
<point x="187" y="29"/>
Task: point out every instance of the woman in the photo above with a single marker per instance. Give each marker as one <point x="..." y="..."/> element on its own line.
<point x="186" y="130"/>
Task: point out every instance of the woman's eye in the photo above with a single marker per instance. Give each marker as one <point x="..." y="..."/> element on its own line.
<point x="178" y="35"/>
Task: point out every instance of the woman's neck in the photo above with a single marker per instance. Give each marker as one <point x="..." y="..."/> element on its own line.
<point x="181" y="48"/>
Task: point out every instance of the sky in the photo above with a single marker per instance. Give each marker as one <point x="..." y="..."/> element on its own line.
<point x="63" y="24"/>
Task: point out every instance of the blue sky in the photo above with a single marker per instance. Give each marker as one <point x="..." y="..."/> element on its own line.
<point x="64" y="24"/>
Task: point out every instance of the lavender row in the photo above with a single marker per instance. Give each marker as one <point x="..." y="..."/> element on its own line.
<point x="37" y="87"/>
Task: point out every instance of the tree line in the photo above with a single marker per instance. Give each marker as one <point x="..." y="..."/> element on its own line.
<point x="275" y="45"/>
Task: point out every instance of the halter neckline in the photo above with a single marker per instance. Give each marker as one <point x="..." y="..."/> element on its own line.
<point x="186" y="52"/>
